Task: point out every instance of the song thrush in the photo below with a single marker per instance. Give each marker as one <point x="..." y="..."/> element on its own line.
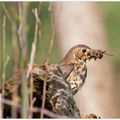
<point x="77" y="56"/>
<point x="72" y="69"/>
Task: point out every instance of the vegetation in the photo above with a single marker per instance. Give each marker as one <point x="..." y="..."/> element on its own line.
<point x="11" y="51"/>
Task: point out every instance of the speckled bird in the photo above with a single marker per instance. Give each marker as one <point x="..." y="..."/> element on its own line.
<point x="63" y="79"/>
<point x="73" y="68"/>
<point x="77" y="57"/>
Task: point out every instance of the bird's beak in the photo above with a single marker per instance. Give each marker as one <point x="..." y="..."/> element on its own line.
<point x="95" y="54"/>
<point x="90" y="55"/>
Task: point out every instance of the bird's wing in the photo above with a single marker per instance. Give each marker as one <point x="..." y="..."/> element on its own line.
<point x="65" y="69"/>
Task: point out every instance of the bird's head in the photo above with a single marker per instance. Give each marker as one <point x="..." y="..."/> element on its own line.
<point x="82" y="53"/>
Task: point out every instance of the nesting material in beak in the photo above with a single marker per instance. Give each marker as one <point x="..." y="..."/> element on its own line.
<point x="98" y="54"/>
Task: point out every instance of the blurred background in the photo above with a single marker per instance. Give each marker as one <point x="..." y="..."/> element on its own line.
<point x="94" y="24"/>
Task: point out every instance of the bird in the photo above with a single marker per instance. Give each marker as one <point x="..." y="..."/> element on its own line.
<point x="77" y="56"/>
<point x="72" y="67"/>
<point x="71" y="71"/>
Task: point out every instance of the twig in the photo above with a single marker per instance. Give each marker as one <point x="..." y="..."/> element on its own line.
<point x="40" y="34"/>
<point x="43" y="99"/>
<point x="5" y="61"/>
<point x="6" y="12"/>
<point x="32" y="109"/>
<point x="35" y="39"/>
<point x="15" y="55"/>
<point x="21" y="35"/>
<point x="47" y="112"/>
<point x="4" y="72"/>
<point x="53" y="33"/>
<point x="9" y="102"/>
<point x="35" y="12"/>
<point x="4" y="48"/>
<point x="31" y="106"/>
<point x="15" y="47"/>
<point x="20" y="27"/>
<point x="3" y="57"/>
<point x="33" y="101"/>
<point x="21" y="30"/>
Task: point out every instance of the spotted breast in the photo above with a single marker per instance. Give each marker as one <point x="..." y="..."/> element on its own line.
<point x="77" y="77"/>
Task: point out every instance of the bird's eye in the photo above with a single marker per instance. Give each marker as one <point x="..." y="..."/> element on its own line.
<point x="83" y="50"/>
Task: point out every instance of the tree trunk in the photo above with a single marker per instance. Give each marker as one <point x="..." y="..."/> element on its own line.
<point x="81" y="23"/>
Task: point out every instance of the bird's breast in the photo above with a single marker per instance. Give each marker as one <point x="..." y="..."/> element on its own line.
<point x="77" y="77"/>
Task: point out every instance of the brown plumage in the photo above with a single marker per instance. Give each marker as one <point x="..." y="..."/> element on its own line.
<point x="77" y="56"/>
<point x="72" y="66"/>
<point x="69" y="73"/>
